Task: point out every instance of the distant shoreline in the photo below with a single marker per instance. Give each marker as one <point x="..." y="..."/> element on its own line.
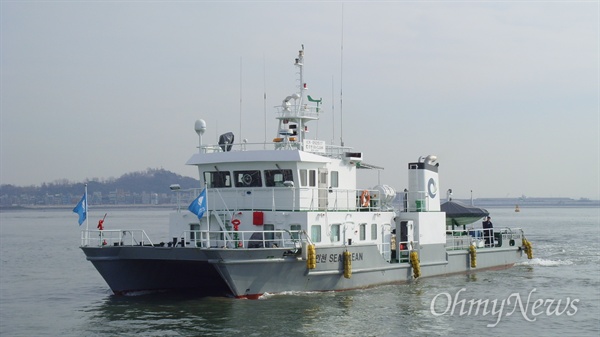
<point x="92" y="207"/>
<point x="533" y="203"/>
<point x="590" y="204"/>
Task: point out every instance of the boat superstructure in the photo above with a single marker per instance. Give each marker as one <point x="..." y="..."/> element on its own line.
<point x="288" y="216"/>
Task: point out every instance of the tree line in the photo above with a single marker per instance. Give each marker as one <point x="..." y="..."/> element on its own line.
<point x="63" y="191"/>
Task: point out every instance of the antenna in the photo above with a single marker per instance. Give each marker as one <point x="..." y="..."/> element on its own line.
<point x="332" y="111"/>
<point x="342" y="82"/>
<point x="240" y="97"/>
<point x="265" y="99"/>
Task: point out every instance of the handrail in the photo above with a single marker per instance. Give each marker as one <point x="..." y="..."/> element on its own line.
<point x="463" y="238"/>
<point x="239" y="239"/>
<point x="115" y="237"/>
<point x="404" y="248"/>
<point x="331" y="151"/>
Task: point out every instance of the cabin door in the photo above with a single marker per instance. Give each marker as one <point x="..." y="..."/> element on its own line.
<point x="323" y="195"/>
<point x="405" y="228"/>
<point x="402" y="243"/>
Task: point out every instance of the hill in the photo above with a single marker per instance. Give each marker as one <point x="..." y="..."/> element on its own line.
<point x="143" y="187"/>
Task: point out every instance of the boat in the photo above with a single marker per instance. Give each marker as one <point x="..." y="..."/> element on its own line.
<point x="287" y="216"/>
<point x="459" y="214"/>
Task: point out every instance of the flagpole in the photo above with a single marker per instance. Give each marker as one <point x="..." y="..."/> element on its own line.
<point x="87" y="216"/>
<point x="207" y="211"/>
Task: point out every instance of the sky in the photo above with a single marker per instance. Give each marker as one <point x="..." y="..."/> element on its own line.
<point x="505" y="93"/>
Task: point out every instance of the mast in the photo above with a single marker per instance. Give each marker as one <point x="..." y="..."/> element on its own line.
<point x="87" y="217"/>
<point x="240" y="97"/>
<point x="300" y="64"/>
<point x="294" y="112"/>
<point x="342" y="82"/>
<point x="302" y="86"/>
<point x="265" y="98"/>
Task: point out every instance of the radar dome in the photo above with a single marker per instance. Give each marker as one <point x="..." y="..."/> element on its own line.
<point x="200" y="127"/>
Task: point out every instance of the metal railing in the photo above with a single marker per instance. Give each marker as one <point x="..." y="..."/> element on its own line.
<point x="330" y="151"/>
<point x="416" y="201"/>
<point x="115" y="237"/>
<point x="403" y="250"/>
<point x="239" y="239"/>
<point x="459" y="240"/>
<point x="502" y="237"/>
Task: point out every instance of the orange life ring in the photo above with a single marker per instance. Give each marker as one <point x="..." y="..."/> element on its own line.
<point x="365" y="198"/>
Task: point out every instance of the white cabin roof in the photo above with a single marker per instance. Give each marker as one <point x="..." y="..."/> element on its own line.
<point x="256" y="156"/>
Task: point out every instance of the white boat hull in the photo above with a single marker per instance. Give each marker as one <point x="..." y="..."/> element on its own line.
<point x="254" y="276"/>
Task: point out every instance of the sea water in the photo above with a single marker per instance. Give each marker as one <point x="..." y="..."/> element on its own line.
<point x="47" y="288"/>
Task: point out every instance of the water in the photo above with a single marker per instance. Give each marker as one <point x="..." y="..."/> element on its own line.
<point x="47" y="288"/>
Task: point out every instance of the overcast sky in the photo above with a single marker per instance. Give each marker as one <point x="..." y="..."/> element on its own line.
<point x="506" y="94"/>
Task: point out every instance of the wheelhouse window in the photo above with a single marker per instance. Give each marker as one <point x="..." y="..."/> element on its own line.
<point x="247" y="178"/>
<point x="334" y="179"/>
<point x="335" y="233"/>
<point x="308" y="178"/>
<point x="303" y="177"/>
<point x="312" y="178"/>
<point x="315" y="233"/>
<point x="215" y="179"/>
<point x="276" y="178"/>
<point x="374" y="231"/>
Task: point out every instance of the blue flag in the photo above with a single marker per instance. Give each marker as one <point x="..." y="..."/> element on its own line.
<point x="198" y="206"/>
<point x="81" y="209"/>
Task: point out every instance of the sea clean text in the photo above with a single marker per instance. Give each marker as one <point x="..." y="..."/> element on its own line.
<point x="332" y="258"/>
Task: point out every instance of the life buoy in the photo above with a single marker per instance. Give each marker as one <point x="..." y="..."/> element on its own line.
<point x="365" y="198"/>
